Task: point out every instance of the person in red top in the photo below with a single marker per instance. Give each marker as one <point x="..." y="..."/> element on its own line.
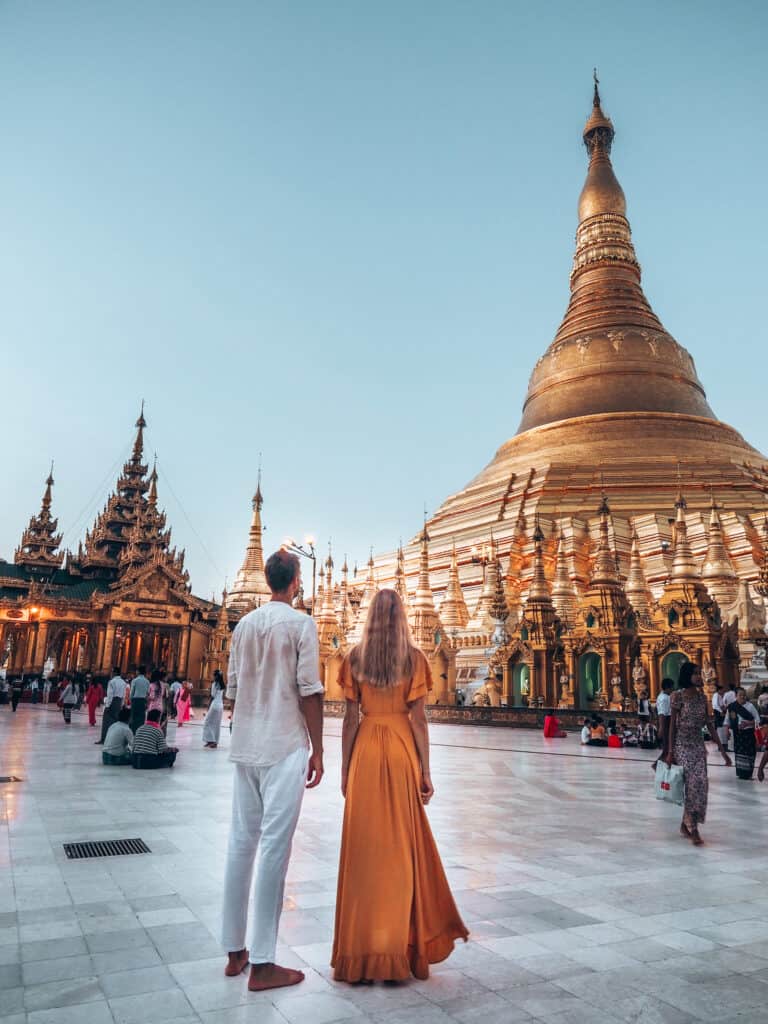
<point x="552" y="728"/>
<point x="93" y="698"/>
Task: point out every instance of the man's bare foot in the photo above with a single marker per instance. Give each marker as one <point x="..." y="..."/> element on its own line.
<point x="264" y="976"/>
<point x="236" y="963"/>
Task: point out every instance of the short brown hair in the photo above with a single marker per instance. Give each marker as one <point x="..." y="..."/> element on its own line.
<point x="281" y="570"/>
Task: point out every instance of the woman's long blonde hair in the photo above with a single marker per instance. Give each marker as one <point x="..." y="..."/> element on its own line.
<point x="386" y="655"/>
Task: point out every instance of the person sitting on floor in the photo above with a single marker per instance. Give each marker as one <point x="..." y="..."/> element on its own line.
<point x="149" y="747"/>
<point x="118" y="742"/>
<point x="597" y="733"/>
<point x="586" y="732"/>
<point x="552" y="728"/>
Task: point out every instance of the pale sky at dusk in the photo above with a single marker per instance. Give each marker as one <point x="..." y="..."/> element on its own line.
<point x="340" y="233"/>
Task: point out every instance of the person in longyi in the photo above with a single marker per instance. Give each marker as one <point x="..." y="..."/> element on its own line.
<point x="395" y="914"/>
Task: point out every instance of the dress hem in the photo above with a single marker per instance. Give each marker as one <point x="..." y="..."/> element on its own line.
<point x="397" y="967"/>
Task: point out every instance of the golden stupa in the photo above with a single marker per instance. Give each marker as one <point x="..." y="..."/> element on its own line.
<point x="614" y="410"/>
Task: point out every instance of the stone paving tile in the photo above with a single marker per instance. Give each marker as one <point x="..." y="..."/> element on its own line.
<point x="595" y="912"/>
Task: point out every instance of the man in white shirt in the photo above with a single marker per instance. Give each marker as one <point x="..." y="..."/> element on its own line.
<point x="174" y="691"/>
<point x="728" y="698"/>
<point x="113" y="701"/>
<point x="139" y="694"/>
<point x="273" y="678"/>
<point x="664" y="715"/>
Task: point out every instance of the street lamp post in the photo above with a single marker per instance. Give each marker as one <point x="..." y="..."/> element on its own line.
<point x="306" y="550"/>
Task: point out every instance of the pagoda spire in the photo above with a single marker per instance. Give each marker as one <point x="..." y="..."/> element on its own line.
<point x="453" y="610"/>
<point x="423" y="599"/>
<point x="718" y="573"/>
<point x="564" y="596"/>
<point x="400" y="584"/>
<point x="684" y="566"/>
<point x="250" y="588"/>
<point x="369" y="590"/>
<point x="138" y="444"/>
<point x="611" y="353"/>
<point x="636" y="587"/>
<point x="38" y="547"/>
<point x="346" y="613"/>
<point x="604" y="571"/>
<point x="539" y="588"/>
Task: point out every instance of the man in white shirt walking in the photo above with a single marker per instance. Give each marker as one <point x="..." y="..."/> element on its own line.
<point x="664" y="715"/>
<point x="274" y="680"/>
<point x="113" y="701"/>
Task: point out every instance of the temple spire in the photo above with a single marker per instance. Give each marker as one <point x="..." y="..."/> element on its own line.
<point x="683" y="563"/>
<point x="400" y="583"/>
<point x="250" y="588"/>
<point x="636" y="587"/>
<point x="539" y="588"/>
<point x="453" y="609"/>
<point x="423" y="599"/>
<point x="611" y="353"/>
<point x="604" y="572"/>
<point x="717" y="572"/>
<point x="564" y="596"/>
<point x="38" y="547"/>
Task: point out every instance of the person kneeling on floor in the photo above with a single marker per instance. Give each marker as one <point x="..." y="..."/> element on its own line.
<point x="118" y="743"/>
<point x="149" y="747"/>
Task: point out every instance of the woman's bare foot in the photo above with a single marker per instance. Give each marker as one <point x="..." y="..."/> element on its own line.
<point x="696" y="838"/>
<point x="685" y="831"/>
<point x="264" y="976"/>
<point x="236" y="963"/>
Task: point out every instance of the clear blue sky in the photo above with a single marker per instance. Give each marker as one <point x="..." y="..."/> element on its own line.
<point x="340" y="233"/>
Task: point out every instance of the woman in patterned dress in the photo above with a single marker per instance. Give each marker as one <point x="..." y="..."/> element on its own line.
<point x="690" y="716"/>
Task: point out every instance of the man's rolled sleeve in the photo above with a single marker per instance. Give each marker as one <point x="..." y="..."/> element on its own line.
<point x="308" y="664"/>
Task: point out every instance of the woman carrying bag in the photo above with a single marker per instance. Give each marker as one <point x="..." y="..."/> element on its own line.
<point x="690" y="716"/>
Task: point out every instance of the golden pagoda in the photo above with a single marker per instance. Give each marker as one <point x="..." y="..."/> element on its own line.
<point x="614" y="408"/>
<point x="250" y="588"/>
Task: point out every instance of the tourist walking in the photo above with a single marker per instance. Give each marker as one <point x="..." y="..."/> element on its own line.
<point x="112" y="702"/>
<point x="139" y="695"/>
<point x="34" y="691"/>
<point x="395" y="914"/>
<point x="743" y="718"/>
<point x="46" y="691"/>
<point x="274" y="680"/>
<point x="212" y="720"/>
<point x="690" y="716"/>
<point x="93" y="697"/>
<point x="68" y="699"/>
<point x="173" y="691"/>
<point x="156" y="699"/>
<point x="184" y="703"/>
<point x="664" y="715"/>
<point x="17" y="689"/>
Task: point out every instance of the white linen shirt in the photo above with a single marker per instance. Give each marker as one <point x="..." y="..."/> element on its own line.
<point x="663" y="704"/>
<point x="274" y="661"/>
<point x="115" y="688"/>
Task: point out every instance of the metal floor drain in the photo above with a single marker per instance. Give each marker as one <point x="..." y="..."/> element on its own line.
<point x="105" y="848"/>
<point x="9" y="778"/>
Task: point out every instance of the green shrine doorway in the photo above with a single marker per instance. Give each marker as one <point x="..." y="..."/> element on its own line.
<point x="521" y="683"/>
<point x="671" y="665"/>
<point x="590" y="678"/>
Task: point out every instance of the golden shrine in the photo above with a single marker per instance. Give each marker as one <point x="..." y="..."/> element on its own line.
<point x="123" y="599"/>
<point x="621" y="531"/>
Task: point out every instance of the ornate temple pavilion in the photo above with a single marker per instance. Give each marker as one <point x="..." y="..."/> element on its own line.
<point x="623" y="528"/>
<point x="122" y="599"/>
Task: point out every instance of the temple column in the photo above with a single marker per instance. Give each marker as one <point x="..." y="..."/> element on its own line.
<point x="40" y="646"/>
<point x="155" y="647"/>
<point x="98" y="661"/>
<point x="506" y="685"/>
<point x="653" y="669"/>
<point x="605" y="679"/>
<point x="108" y="649"/>
<point x="184" y="652"/>
<point x="136" y="657"/>
<point x="29" y="650"/>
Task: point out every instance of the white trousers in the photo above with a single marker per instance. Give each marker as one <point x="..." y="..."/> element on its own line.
<point x="265" y="810"/>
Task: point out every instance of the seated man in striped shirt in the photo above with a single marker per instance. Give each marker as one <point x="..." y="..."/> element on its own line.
<point x="149" y="747"/>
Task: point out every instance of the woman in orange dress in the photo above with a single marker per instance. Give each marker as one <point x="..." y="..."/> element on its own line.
<point x="394" y="911"/>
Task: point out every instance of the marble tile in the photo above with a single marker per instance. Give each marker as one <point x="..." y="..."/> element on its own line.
<point x="583" y="903"/>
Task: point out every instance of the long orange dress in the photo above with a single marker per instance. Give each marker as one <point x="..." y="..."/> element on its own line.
<point x="395" y="914"/>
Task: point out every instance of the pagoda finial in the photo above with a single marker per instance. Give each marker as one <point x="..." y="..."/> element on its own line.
<point x="596" y="97"/>
<point x="258" y="499"/>
<point x="138" y="444"/>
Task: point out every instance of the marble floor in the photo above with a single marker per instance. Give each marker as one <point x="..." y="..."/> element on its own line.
<point x="583" y="902"/>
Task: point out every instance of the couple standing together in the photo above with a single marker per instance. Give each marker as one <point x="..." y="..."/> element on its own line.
<point x="394" y="911"/>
